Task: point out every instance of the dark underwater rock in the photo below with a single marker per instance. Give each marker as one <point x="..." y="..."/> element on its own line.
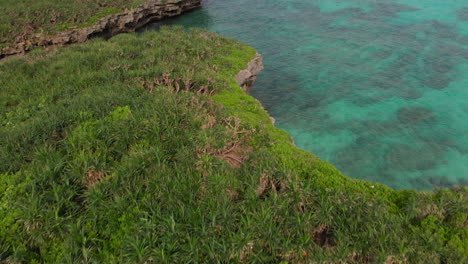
<point x="437" y="82"/>
<point x="415" y="115"/>
<point x="462" y="14"/>
<point x="405" y="157"/>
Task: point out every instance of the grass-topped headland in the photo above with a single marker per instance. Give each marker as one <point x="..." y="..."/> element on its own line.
<point x="21" y="18"/>
<point x="27" y="24"/>
<point x="143" y="149"/>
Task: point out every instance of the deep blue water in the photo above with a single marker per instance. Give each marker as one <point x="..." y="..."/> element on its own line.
<point x="379" y="88"/>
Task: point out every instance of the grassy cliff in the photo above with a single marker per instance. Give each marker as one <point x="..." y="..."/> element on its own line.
<point x="25" y="17"/>
<point x="27" y="24"/>
<point x="143" y="149"/>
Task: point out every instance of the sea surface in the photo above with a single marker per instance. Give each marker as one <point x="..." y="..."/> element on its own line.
<point x="379" y="88"/>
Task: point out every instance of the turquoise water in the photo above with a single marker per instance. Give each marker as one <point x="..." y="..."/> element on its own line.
<point x="379" y="88"/>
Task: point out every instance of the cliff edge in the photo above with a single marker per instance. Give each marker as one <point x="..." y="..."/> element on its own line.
<point x="106" y="27"/>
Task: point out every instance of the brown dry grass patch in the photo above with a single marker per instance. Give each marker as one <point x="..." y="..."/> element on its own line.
<point x="92" y="177"/>
<point x="235" y="151"/>
<point x="324" y="236"/>
<point x="267" y="184"/>
<point x="180" y="84"/>
<point x="430" y="209"/>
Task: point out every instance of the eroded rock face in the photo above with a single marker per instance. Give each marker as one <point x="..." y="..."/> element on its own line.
<point x="247" y="77"/>
<point x="108" y="26"/>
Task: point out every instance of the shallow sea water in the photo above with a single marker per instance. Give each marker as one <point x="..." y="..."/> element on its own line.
<point x="379" y="88"/>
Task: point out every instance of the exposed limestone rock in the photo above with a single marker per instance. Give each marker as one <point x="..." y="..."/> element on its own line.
<point x="247" y="77"/>
<point x="108" y="26"/>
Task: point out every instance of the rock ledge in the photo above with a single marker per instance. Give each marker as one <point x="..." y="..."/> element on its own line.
<point x="108" y="26"/>
<point x="247" y="77"/>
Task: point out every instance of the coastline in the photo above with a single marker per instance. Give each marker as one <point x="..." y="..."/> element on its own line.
<point x="106" y="27"/>
<point x="103" y="121"/>
<point x="136" y="129"/>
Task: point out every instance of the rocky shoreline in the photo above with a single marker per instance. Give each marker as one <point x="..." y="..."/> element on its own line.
<point x="247" y="77"/>
<point x="106" y="27"/>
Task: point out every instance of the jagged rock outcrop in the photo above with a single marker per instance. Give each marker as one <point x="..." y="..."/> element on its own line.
<point x="247" y="77"/>
<point x="108" y="26"/>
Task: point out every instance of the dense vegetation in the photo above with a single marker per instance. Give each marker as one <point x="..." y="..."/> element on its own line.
<point x="142" y="149"/>
<point x="21" y="18"/>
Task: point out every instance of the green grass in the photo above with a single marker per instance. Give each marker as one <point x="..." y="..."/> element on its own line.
<point x="25" y="17"/>
<point x="103" y="161"/>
